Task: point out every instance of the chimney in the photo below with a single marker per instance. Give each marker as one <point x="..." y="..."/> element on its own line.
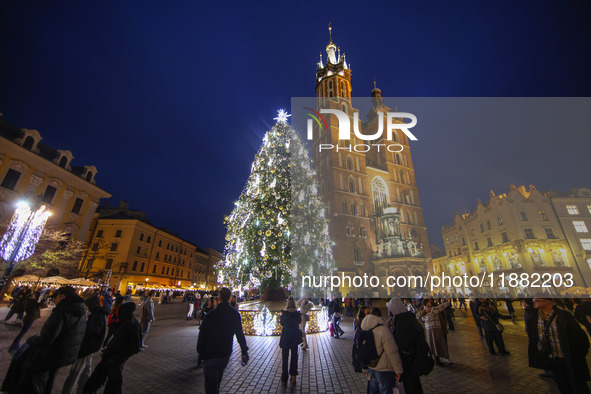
<point x="124" y="205"/>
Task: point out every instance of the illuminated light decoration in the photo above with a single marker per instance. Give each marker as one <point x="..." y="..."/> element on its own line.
<point x="24" y="231"/>
<point x="282" y="116"/>
<point x="265" y="323"/>
<point x="255" y="281"/>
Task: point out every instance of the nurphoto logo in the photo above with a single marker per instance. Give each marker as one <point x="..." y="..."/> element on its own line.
<point x="393" y="122"/>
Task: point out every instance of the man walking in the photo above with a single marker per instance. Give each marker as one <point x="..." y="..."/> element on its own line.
<point x="58" y="343"/>
<point x="558" y="343"/>
<point x="216" y="337"/>
<point x="147" y="316"/>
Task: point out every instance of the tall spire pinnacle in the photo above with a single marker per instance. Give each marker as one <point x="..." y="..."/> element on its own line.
<point x="330" y="31"/>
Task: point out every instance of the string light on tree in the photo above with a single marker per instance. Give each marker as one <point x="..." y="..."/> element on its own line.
<point x="269" y="229"/>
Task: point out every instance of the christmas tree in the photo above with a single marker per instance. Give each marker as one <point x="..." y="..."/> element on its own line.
<point x="277" y="231"/>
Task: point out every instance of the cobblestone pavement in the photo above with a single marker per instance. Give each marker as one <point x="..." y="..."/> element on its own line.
<point x="168" y="365"/>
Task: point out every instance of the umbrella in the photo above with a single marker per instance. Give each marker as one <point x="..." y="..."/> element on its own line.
<point x="56" y="279"/>
<point x="82" y="282"/>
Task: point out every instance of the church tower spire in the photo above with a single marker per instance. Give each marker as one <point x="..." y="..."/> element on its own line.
<point x="333" y="79"/>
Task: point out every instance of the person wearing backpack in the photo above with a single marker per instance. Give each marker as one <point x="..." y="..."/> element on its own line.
<point x="96" y="327"/>
<point x="125" y="343"/>
<point x="378" y="351"/>
<point x="414" y="350"/>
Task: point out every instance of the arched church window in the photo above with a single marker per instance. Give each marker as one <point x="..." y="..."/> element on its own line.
<point x="349" y="163"/>
<point x="380" y="195"/>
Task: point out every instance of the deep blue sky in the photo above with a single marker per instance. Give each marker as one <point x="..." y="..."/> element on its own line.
<point x="170" y="100"/>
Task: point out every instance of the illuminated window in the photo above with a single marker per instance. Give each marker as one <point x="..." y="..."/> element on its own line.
<point x="572" y="209"/>
<point x="580" y="227"/>
<point x="589" y="208"/>
<point x="586" y="243"/>
<point x="543" y="216"/>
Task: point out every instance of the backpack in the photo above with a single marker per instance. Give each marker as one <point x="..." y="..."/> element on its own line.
<point x="367" y="353"/>
<point x="135" y="345"/>
<point x="423" y="363"/>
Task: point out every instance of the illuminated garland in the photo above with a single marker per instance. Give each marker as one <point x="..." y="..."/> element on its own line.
<point x="277" y="230"/>
<point x="24" y="231"/>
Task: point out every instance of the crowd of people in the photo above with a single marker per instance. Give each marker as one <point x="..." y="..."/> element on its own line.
<point x="391" y="351"/>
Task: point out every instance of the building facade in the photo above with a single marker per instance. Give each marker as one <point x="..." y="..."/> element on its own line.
<point x="29" y="168"/>
<point x="126" y="251"/>
<point x="574" y="213"/>
<point x="517" y="232"/>
<point x="375" y="215"/>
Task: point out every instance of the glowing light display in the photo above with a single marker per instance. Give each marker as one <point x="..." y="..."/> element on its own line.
<point x="20" y="240"/>
<point x="265" y="322"/>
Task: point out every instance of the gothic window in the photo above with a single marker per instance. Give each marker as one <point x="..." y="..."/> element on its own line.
<point x="351" y="185"/>
<point x="344" y="206"/>
<point x="402" y="177"/>
<point x="360" y="186"/>
<point x="353" y="209"/>
<point x="349" y="163"/>
<point x="357" y="255"/>
<point x="380" y="195"/>
<point x="343" y="94"/>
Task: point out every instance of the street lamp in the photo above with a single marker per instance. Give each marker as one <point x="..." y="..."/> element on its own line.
<point x="147" y="279"/>
<point x="22" y="235"/>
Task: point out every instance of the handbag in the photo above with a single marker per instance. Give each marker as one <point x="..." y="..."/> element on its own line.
<point x="499" y="327"/>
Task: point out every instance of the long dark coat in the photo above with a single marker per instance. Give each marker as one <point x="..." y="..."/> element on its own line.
<point x="291" y="335"/>
<point x="573" y="341"/>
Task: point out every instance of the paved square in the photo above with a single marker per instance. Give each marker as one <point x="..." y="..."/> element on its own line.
<point x="169" y="363"/>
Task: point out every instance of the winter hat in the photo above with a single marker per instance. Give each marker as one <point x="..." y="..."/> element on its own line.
<point x="65" y="290"/>
<point x="290" y="303"/>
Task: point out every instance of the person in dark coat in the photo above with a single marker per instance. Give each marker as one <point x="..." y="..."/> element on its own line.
<point x="112" y="319"/>
<point x="474" y="305"/>
<point x="57" y="345"/>
<point x="407" y="331"/>
<point x="18" y="306"/>
<point x="583" y="313"/>
<point x="335" y="310"/>
<point x="32" y="313"/>
<point x="125" y="343"/>
<point x="558" y="343"/>
<point x="96" y="327"/>
<point x="216" y="337"/>
<point x="291" y="337"/>
<point x="489" y="316"/>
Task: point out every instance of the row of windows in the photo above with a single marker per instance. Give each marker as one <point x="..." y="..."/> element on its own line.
<point x="10" y="180"/>
<point x="119" y="234"/>
<point x="574" y="210"/>
<point x="528" y="232"/>
<point x="351" y="232"/>
<point x="354" y="210"/>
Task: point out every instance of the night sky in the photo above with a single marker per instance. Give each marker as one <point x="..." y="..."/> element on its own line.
<point x="170" y="100"/>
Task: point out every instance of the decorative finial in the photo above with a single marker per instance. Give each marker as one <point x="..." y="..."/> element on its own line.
<point x="374" y="83"/>
<point x="330" y="31"/>
<point x="282" y="116"/>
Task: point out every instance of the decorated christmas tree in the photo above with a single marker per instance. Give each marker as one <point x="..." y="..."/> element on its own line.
<point x="277" y="231"/>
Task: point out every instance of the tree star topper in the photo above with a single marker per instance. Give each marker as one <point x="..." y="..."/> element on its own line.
<point x="282" y="116"/>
